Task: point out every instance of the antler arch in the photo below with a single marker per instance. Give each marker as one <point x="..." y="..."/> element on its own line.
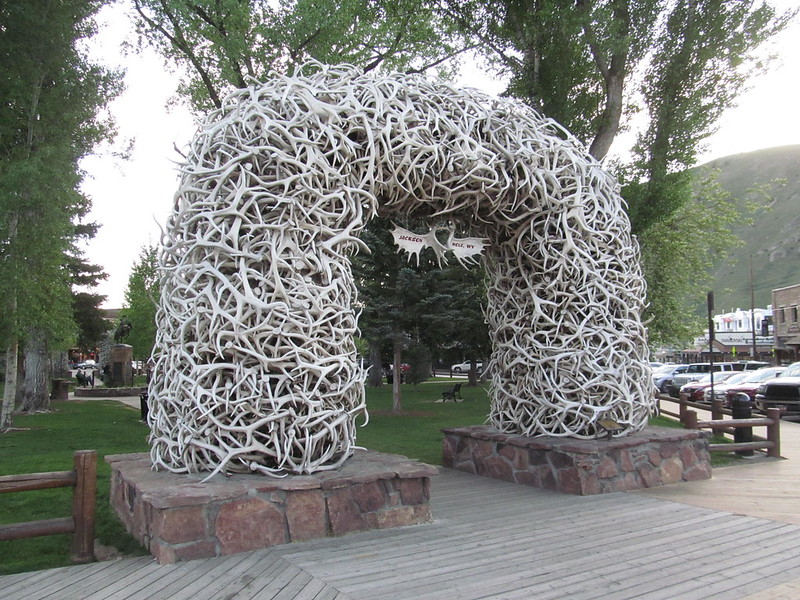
<point x="255" y="364"/>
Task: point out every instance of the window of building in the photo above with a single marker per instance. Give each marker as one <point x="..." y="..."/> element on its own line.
<point x="794" y="314"/>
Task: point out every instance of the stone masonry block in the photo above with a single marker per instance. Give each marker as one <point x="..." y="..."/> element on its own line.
<point x="247" y="524"/>
<point x="306" y="516"/>
<point x="344" y="513"/>
<point x="179" y="525"/>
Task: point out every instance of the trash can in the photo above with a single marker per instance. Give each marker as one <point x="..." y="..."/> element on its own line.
<point x="741" y="408"/>
<point x="60" y="389"/>
<point x="143" y="406"/>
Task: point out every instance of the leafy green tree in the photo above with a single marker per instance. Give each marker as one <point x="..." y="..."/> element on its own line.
<point x="49" y="119"/>
<point x="141" y="300"/>
<point x="700" y="64"/>
<point x="589" y="63"/>
<point x="221" y="44"/>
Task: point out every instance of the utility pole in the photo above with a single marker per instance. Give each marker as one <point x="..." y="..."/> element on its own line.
<point x="710" y="306"/>
<point x="753" y="308"/>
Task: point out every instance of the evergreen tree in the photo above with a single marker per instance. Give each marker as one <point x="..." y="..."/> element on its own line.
<point x="405" y="305"/>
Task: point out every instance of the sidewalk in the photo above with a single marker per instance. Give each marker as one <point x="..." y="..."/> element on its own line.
<point x="768" y="489"/>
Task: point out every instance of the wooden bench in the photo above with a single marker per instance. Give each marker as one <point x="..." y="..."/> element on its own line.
<point x="453" y="393"/>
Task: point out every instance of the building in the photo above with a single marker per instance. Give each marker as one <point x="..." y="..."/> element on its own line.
<point x="786" y="337"/>
<point x="734" y="338"/>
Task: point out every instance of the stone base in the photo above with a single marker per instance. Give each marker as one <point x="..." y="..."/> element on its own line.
<point x="649" y="458"/>
<point x="179" y="518"/>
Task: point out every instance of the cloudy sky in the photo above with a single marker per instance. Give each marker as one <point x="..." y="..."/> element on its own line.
<point x="133" y="197"/>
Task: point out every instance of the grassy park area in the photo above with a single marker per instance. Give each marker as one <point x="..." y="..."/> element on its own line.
<point x="46" y="442"/>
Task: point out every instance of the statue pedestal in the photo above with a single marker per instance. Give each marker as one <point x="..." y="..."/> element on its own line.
<point x="179" y="518"/>
<point x="652" y="457"/>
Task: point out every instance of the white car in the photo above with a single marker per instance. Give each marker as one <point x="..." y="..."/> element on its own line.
<point x="464" y="367"/>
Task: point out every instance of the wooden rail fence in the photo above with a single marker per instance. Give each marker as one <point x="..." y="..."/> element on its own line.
<point x="83" y="478"/>
<point x="688" y="418"/>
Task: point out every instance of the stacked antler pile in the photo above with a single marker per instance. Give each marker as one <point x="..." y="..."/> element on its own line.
<point x="255" y="361"/>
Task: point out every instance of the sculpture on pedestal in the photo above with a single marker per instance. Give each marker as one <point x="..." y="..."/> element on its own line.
<point x="255" y="363"/>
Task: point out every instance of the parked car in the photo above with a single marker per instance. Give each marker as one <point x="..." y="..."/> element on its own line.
<point x="719" y="389"/>
<point x="747" y="383"/>
<point x="693" y="391"/>
<point x="781" y="392"/>
<point x="662" y="376"/>
<point x="694" y="372"/>
<point x="87" y="364"/>
<point x="464" y="367"/>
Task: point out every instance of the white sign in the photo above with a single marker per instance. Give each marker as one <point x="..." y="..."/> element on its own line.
<point x="736" y="338"/>
<point x="466" y="250"/>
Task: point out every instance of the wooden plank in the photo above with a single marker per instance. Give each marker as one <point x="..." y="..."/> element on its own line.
<point x="734" y="446"/>
<point x="266" y="585"/>
<point x="36" y="481"/>
<point x="534" y="538"/>
<point x="66" y="577"/>
<point x="471" y="553"/>
<point x="558" y="559"/>
<point x="733" y="423"/>
<point x="28" y="529"/>
<point x="227" y="573"/>
<point x="583" y="574"/>
<point x="31" y="581"/>
<point x="708" y="571"/>
<point x="174" y="578"/>
<point x="147" y="583"/>
<point x="103" y="584"/>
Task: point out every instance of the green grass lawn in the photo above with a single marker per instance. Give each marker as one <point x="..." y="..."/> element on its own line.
<point x="47" y="441"/>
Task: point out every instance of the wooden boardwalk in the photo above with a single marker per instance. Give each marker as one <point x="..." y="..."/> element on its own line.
<point x="490" y="539"/>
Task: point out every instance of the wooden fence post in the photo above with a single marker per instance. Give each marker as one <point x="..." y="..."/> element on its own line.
<point x="682" y="410"/>
<point x="83" y="504"/>
<point x="690" y="419"/>
<point x="717" y="405"/>
<point x="774" y="432"/>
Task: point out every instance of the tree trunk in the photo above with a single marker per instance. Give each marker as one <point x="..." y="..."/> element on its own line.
<point x="397" y="372"/>
<point x="12" y="361"/>
<point x="375" y="378"/>
<point x="472" y="377"/>
<point x="36" y="384"/>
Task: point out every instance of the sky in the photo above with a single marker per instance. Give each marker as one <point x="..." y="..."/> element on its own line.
<point x="132" y="197"/>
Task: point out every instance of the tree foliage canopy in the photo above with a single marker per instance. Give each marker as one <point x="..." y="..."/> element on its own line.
<point x="222" y="43"/>
<point x="141" y="299"/>
<point x="49" y="119"/>
<point x="591" y="64"/>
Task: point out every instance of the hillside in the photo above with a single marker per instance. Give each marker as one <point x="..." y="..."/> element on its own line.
<point x="773" y="240"/>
